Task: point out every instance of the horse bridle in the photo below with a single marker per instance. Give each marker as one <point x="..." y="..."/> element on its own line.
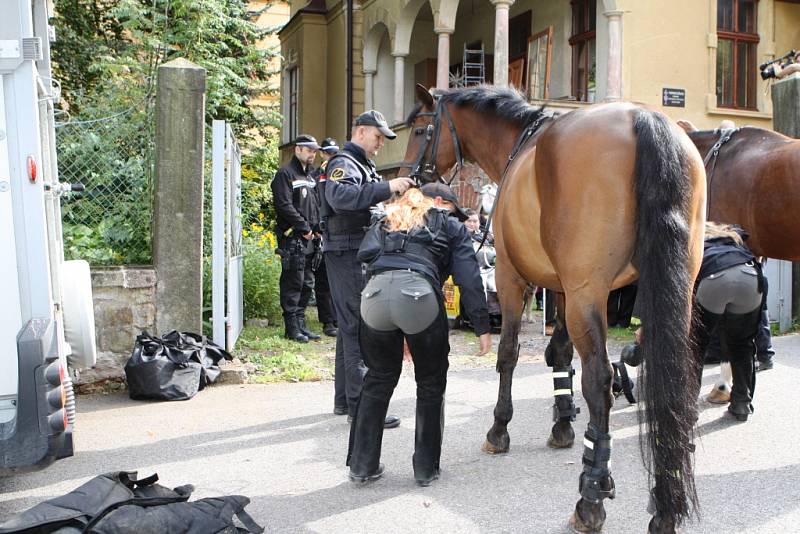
<point x="424" y="168"/>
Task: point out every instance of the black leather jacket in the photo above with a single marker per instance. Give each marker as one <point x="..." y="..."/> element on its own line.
<point x="440" y="249"/>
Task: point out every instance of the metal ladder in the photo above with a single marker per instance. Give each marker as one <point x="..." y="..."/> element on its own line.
<point x="473" y="65"/>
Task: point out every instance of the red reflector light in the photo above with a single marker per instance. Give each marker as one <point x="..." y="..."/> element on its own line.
<point x="58" y="421"/>
<point x="32" y="169"/>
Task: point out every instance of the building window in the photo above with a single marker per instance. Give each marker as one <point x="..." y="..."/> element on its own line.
<point x="292" y="86"/>
<point x="737" y="37"/>
<point x="584" y="54"/>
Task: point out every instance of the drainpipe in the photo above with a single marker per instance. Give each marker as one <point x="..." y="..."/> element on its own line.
<point x="349" y="67"/>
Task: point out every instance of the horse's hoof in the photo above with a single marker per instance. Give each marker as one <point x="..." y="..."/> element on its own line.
<point x="558" y="444"/>
<point x="561" y="437"/>
<point x="576" y="525"/>
<point x="491" y="449"/>
<point x="661" y="525"/>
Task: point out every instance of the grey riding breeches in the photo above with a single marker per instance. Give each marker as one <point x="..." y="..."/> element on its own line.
<point x="733" y="290"/>
<point x="401" y="300"/>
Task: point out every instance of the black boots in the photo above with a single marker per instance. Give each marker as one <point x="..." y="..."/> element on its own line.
<point x="293" y="331"/>
<point x="366" y="437"/>
<point x="428" y="441"/>
<point x="301" y="322"/>
<point x="744" y="382"/>
<point x="329" y="329"/>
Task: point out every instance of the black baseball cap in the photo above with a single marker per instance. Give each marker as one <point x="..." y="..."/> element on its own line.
<point x="375" y="118"/>
<point x="329" y="144"/>
<point x="438" y="189"/>
<point x="307" y="141"/>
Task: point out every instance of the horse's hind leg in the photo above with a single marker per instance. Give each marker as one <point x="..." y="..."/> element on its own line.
<point x="587" y="324"/>
<point x="510" y="289"/>
<point x="558" y="355"/>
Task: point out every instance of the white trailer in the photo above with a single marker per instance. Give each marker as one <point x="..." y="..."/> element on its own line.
<point x="46" y="321"/>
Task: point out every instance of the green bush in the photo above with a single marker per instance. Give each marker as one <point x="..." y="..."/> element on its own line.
<point x="262" y="271"/>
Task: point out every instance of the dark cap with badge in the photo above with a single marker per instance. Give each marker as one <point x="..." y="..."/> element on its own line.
<point x="438" y="189"/>
<point x="329" y="145"/>
<point x="307" y="141"/>
<point x="375" y="118"/>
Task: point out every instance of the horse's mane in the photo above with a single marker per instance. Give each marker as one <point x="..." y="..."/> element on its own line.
<point x="715" y="132"/>
<point x="506" y="103"/>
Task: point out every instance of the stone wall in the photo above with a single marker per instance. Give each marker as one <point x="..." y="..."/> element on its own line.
<point x="124" y="305"/>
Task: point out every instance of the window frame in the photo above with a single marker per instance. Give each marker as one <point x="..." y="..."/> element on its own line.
<point x="736" y="37"/>
<point x="292" y="101"/>
<point x="582" y="37"/>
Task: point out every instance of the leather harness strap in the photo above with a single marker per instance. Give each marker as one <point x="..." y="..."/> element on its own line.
<point x="711" y="157"/>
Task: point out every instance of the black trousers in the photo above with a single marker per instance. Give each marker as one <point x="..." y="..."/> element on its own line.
<point x="736" y="334"/>
<point x="764" y="350"/>
<point x="322" y="292"/>
<point x="344" y="268"/>
<point x="620" y="306"/>
<point x="297" y="278"/>
<point x="383" y="352"/>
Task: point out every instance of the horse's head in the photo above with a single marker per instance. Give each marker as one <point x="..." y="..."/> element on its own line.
<point x="429" y="153"/>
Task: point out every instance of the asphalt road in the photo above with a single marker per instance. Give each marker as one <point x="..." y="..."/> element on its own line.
<point x="281" y="446"/>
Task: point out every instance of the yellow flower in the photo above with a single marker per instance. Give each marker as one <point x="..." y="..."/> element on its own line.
<point x="245" y="233"/>
<point x="260" y="216"/>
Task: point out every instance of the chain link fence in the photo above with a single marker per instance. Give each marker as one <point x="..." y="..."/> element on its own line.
<point x="110" y="223"/>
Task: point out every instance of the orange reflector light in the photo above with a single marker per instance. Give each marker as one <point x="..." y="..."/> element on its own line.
<point x="32" y="169"/>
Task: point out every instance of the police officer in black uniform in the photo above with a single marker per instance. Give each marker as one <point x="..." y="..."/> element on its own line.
<point x="351" y="187"/>
<point x="294" y="195"/>
<point x="408" y="260"/>
<point x="322" y="290"/>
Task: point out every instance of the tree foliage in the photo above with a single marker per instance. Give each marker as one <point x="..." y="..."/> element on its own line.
<point x="107" y="51"/>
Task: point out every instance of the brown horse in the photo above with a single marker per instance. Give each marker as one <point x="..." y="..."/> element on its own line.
<point x="754" y="181"/>
<point x="588" y="202"/>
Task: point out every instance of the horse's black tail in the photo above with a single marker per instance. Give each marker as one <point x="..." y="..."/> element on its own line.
<point x="668" y="376"/>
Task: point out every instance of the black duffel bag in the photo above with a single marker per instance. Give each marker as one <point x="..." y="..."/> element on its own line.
<point x="174" y="367"/>
<point x="120" y="503"/>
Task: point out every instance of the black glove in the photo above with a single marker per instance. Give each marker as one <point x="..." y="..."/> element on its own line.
<point x="316" y="260"/>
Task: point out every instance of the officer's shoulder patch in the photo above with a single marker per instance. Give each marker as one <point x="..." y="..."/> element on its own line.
<point x="336" y="174"/>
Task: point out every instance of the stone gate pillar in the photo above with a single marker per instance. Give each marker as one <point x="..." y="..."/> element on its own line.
<point x="178" y="192"/>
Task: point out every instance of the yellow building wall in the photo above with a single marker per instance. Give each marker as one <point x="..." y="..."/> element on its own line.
<point x="275" y="16"/>
<point x="334" y="88"/>
<point x="665" y="44"/>
<point x="787" y="27"/>
<point x="301" y="47"/>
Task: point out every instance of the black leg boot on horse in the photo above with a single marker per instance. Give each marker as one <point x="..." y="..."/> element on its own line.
<point x="595" y="482"/>
<point x="558" y="355"/>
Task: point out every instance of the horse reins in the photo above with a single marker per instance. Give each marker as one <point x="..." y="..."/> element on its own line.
<point x="724" y="136"/>
<point x="522" y="140"/>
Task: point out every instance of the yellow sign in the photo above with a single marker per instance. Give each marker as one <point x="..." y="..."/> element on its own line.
<point x="452" y="299"/>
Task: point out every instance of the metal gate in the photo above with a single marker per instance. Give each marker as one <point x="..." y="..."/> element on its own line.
<point x="227" y="263"/>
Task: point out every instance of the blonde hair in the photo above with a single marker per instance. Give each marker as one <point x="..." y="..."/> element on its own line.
<point x="714" y="229"/>
<point x="408" y="211"/>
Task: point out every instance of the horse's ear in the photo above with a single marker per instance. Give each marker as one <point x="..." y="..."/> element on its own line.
<point x="424" y="96"/>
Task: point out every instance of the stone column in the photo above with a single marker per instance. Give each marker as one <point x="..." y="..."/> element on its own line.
<point x="501" y="41"/>
<point x="399" y="86"/>
<point x="786" y="120"/>
<point x="178" y="215"/>
<point x="368" y="90"/>
<point x="443" y="59"/>
<point x="614" y="66"/>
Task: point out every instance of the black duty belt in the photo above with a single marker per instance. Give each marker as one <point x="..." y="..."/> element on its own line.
<point x="347" y="224"/>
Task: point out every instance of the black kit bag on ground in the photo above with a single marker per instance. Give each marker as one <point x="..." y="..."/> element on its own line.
<point x="174" y="367"/>
<point x="119" y="503"/>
